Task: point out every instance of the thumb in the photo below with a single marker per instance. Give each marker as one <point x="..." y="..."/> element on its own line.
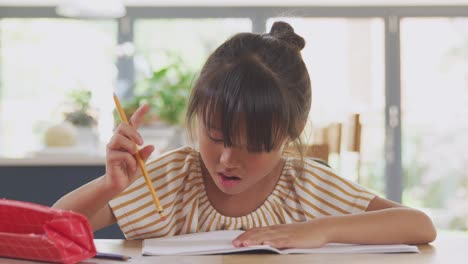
<point x="146" y="152"/>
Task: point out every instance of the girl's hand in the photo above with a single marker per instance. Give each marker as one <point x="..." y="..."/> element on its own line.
<point x="298" y="235"/>
<point x="121" y="164"/>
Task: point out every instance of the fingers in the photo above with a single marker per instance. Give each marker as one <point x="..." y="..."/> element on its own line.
<point x="277" y="241"/>
<point x="117" y="157"/>
<point x="254" y="231"/>
<point x="248" y="238"/>
<point x="296" y="235"/>
<point x="124" y="140"/>
<point x="120" y="142"/>
<point x="130" y="132"/>
<point x="262" y="236"/>
<point x="137" y="118"/>
<point x="146" y="152"/>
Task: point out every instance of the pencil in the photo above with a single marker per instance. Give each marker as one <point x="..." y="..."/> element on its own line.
<point x="113" y="256"/>
<point x="140" y="162"/>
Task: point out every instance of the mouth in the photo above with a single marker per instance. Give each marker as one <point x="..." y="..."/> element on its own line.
<point x="228" y="177"/>
<point x="228" y="181"/>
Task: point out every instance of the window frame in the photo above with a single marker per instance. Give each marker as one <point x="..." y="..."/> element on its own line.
<point x="391" y="16"/>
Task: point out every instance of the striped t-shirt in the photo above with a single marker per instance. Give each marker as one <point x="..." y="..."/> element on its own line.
<point x="176" y="176"/>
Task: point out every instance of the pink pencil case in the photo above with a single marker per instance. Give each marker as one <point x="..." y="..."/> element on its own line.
<point x="37" y="232"/>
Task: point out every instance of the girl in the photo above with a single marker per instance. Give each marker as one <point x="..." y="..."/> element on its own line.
<point x="250" y="102"/>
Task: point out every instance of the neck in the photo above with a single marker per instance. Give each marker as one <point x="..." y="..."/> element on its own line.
<point x="242" y="203"/>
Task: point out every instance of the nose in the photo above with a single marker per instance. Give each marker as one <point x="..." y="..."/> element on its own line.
<point x="229" y="158"/>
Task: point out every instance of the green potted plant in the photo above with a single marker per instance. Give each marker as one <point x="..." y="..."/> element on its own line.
<point x="166" y="91"/>
<point x="82" y="116"/>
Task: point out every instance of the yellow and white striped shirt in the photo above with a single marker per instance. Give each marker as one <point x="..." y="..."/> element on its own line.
<point x="177" y="179"/>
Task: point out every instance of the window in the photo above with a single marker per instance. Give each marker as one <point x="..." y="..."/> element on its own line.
<point x="190" y="39"/>
<point x="435" y="117"/>
<point x="345" y="59"/>
<point x="41" y="61"/>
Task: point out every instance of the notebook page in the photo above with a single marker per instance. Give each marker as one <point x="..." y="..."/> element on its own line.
<point x="336" y="248"/>
<point x="218" y="242"/>
<point x="197" y="244"/>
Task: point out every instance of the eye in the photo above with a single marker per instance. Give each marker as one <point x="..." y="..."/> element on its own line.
<point x="215" y="138"/>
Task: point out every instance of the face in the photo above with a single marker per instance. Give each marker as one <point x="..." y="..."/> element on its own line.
<point x="234" y="170"/>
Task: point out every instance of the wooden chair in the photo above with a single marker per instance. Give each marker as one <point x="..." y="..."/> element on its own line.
<point x="353" y="141"/>
<point x="333" y="137"/>
<point x="317" y="151"/>
<point x="354" y="134"/>
<point x="326" y="142"/>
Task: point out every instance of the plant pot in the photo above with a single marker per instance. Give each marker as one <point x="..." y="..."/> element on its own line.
<point x="87" y="136"/>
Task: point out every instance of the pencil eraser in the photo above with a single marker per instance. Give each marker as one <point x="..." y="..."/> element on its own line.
<point x="161" y="213"/>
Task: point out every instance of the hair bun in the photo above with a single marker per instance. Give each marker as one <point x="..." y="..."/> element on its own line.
<point x="285" y="32"/>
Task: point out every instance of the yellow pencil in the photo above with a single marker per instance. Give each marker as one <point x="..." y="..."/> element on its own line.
<point x="123" y="118"/>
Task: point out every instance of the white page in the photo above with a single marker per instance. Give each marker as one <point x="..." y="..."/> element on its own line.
<point x="197" y="244"/>
<point x="337" y="248"/>
<point x="221" y="242"/>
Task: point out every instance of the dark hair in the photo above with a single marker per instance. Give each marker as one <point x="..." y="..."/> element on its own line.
<point x="256" y="80"/>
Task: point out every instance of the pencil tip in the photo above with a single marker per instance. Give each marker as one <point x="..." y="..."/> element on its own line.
<point x="163" y="216"/>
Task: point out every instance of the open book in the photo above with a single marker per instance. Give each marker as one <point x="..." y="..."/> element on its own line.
<point x="219" y="242"/>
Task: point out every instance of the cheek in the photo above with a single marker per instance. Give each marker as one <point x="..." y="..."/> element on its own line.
<point x="263" y="164"/>
<point x="209" y="151"/>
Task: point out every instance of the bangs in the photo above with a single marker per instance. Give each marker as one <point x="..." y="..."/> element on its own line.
<point x="242" y="98"/>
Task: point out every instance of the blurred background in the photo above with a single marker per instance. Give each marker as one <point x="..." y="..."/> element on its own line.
<point x="389" y="81"/>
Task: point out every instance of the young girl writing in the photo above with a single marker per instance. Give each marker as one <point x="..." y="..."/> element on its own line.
<point x="250" y="102"/>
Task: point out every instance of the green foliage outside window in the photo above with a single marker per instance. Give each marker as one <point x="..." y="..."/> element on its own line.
<point x="81" y="114"/>
<point x="166" y="91"/>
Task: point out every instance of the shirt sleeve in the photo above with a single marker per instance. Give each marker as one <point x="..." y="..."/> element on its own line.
<point x="323" y="193"/>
